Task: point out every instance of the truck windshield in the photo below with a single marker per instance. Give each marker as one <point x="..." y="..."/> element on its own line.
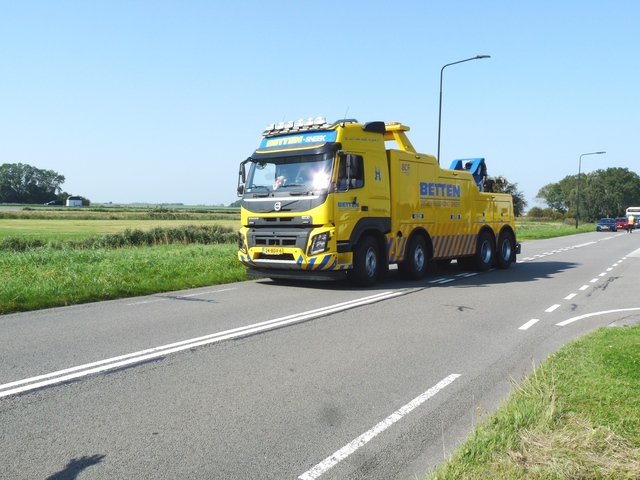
<point x="293" y="174"/>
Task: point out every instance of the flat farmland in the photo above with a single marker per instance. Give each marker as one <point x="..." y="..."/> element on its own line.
<point x="63" y="257"/>
<point x="74" y="224"/>
<point x="74" y="229"/>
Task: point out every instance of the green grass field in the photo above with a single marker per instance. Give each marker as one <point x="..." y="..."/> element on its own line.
<point x="55" y="257"/>
<point x="76" y="229"/>
<point x="43" y="277"/>
<point x="539" y="230"/>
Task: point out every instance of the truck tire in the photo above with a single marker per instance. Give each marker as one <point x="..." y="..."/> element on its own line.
<point x="485" y="252"/>
<point x="504" y="250"/>
<point x="414" y="266"/>
<point x="366" y="265"/>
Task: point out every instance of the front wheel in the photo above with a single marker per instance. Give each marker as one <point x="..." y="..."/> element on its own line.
<point x="365" y="263"/>
<point x="504" y="251"/>
<point x="414" y="266"/>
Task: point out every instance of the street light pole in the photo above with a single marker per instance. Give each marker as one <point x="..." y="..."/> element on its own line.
<point x="440" y="107"/>
<point x="578" y="190"/>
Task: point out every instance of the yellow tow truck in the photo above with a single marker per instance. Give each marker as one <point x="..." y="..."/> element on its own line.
<point x="329" y="201"/>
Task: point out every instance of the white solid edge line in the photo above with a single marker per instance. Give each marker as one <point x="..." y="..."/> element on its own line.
<point x="130" y="358"/>
<point x="354" y="445"/>
<point x="581" y="317"/>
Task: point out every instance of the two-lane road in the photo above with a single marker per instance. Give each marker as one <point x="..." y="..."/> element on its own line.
<point x="263" y="380"/>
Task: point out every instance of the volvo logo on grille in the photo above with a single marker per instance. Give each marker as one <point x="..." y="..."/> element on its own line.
<point x="277" y="206"/>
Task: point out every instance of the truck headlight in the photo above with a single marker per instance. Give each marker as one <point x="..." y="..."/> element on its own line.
<point x="241" y="245"/>
<point x="319" y="243"/>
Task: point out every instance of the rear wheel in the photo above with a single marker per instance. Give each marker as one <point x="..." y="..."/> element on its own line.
<point x="485" y="249"/>
<point x="365" y="263"/>
<point x="414" y="266"/>
<point x="504" y="250"/>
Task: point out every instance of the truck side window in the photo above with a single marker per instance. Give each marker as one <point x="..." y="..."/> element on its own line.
<point x="352" y="176"/>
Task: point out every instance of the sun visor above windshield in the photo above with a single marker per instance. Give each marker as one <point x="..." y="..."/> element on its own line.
<point x="300" y="140"/>
<point x="311" y="143"/>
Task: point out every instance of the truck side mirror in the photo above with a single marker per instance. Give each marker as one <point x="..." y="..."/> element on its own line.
<point x="242" y="176"/>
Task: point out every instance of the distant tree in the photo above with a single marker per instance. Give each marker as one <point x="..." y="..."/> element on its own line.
<point x="21" y="183"/>
<point x="535" y="212"/>
<point x="501" y="185"/>
<point x="557" y="195"/>
<point x="603" y="193"/>
<point x="237" y="203"/>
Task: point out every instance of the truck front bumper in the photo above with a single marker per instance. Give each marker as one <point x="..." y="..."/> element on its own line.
<point x="312" y="275"/>
<point x="292" y="261"/>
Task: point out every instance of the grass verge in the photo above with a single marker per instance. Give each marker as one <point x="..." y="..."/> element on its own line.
<point x="575" y="417"/>
<point x="44" y="277"/>
<point x="531" y="230"/>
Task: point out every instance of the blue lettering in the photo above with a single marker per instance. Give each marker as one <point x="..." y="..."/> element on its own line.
<point x="439" y="190"/>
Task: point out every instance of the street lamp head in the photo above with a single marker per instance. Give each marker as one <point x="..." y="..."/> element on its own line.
<point x="598" y="153"/>
<point x="477" y="57"/>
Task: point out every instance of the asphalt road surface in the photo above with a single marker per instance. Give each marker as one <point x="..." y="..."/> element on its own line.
<point x="264" y="380"/>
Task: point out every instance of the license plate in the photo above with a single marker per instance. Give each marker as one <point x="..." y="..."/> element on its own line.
<point x="273" y="251"/>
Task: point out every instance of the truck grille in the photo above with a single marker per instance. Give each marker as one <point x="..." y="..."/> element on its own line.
<point x="274" y="241"/>
<point x="291" y="237"/>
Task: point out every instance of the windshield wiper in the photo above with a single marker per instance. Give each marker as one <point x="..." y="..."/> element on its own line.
<point x="266" y="194"/>
<point x="299" y="193"/>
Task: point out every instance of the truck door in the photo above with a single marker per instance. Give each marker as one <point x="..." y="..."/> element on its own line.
<point x="351" y="202"/>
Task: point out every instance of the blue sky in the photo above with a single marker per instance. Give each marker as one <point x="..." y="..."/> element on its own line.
<point x="159" y="101"/>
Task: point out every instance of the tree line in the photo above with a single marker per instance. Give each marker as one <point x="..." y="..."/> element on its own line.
<point x="602" y="193"/>
<point x="21" y="183"/>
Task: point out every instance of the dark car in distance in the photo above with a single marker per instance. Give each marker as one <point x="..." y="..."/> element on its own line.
<point x="55" y="202"/>
<point x="606" y="225"/>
